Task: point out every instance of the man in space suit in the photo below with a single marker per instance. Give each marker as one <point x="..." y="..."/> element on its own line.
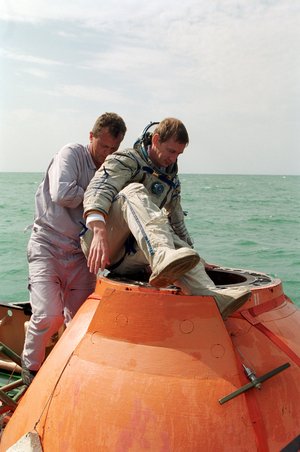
<point x="136" y="192"/>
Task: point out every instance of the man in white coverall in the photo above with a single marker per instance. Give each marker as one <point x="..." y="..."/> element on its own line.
<point x="137" y="191"/>
<point x="59" y="279"/>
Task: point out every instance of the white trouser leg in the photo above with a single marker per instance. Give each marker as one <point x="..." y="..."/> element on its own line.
<point x="57" y="280"/>
<point x="44" y="322"/>
<point x="80" y="283"/>
<point x="148" y="224"/>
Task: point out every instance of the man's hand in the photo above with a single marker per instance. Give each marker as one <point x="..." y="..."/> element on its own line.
<point x="99" y="252"/>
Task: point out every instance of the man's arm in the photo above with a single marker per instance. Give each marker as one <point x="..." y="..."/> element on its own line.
<point x="176" y="218"/>
<point x="63" y="179"/>
<point x="117" y="171"/>
<point x="98" y="257"/>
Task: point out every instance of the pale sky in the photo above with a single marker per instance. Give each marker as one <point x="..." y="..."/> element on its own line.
<point x="229" y="69"/>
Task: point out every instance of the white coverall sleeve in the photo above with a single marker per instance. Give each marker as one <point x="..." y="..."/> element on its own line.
<point x="63" y="179"/>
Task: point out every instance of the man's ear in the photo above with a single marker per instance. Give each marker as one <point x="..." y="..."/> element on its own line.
<point x="91" y="136"/>
<point x="155" y="139"/>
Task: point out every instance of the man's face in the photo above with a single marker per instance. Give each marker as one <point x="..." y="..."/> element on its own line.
<point x="166" y="153"/>
<point x="103" y="145"/>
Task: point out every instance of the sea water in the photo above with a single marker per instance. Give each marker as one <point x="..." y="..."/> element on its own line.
<point x="249" y="222"/>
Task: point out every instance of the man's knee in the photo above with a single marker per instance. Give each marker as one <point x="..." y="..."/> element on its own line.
<point x="49" y="324"/>
<point x="134" y="188"/>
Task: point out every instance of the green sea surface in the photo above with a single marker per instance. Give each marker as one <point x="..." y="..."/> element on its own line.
<point x="249" y="222"/>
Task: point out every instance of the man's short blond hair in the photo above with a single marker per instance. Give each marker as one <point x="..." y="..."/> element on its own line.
<point x="113" y="122"/>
